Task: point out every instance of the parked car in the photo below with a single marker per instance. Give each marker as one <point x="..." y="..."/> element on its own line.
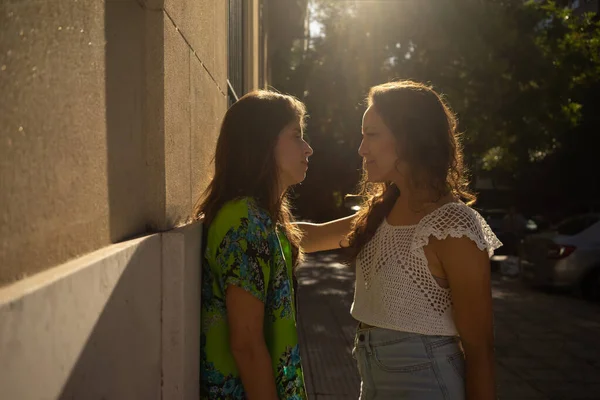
<point x="494" y="217"/>
<point x="497" y="219"/>
<point x="565" y="257"/>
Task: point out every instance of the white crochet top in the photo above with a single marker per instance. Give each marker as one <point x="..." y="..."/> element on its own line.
<point x="394" y="286"/>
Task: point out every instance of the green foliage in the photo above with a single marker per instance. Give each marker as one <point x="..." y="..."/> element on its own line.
<point x="514" y="72"/>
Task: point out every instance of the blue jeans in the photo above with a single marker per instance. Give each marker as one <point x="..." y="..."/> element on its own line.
<point x="409" y="366"/>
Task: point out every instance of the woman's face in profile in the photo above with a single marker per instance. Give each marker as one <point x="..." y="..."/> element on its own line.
<point x="291" y="155"/>
<point x="378" y="148"/>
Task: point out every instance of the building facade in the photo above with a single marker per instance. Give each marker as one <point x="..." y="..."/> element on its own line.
<point x="109" y="116"/>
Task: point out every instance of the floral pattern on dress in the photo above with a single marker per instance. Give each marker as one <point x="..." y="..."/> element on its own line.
<point x="288" y="380"/>
<point x="280" y="298"/>
<point x="250" y="254"/>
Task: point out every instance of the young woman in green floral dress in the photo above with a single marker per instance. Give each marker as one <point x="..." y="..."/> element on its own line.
<point x="249" y="342"/>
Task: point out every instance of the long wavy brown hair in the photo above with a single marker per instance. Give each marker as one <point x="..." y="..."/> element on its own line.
<point x="425" y="129"/>
<point x="245" y="163"/>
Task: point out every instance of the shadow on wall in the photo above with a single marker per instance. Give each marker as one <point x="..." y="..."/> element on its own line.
<point x="121" y="358"/>
<point x="87" y="329"/>
<point x="146" y="342"/>
<point x="135" y="118"/>
<point x="122" y="322"/>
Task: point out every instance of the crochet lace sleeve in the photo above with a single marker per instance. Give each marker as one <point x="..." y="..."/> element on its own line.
<point x="456" y="220"/>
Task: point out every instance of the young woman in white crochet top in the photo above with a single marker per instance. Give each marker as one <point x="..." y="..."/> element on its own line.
<point x="423" y="293"/>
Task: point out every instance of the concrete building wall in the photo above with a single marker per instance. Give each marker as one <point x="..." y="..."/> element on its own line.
<point x="53" y="152"/>
<point x="109" y="116"/>
<point x="110" y="113"/>
<point x="118" y="323"/>
<point x="89" y="325"/>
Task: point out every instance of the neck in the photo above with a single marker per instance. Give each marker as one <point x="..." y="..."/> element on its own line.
<point x="411" y="198"/>
<point x="281" y="187"/>
<point x="280" y="192"/>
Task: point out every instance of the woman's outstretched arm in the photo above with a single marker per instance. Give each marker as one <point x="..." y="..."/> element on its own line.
<point x="325" y="236"/>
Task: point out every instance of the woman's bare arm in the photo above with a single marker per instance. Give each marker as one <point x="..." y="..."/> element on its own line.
<point x="469" y="275"/>
<point x="245" y="315"/>
<point x="326" y="236"/>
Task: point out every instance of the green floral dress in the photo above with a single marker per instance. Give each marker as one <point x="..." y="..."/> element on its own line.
<point x="244" y="249"/>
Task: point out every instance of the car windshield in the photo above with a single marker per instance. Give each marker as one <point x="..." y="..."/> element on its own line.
<point x="576" y="225"/>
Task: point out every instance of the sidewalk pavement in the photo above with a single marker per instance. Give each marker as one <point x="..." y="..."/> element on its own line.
<point x="547" y="345"/>
<point x="327" y="328"/>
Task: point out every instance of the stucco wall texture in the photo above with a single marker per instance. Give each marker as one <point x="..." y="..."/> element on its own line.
<point x="109" y="116"/>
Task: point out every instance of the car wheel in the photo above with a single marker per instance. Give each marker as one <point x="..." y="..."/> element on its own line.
<point x="590" y="287"/>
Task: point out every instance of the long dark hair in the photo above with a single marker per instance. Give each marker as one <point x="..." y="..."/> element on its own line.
<point x="426" y="130"/>
<point x="245" y="163"/>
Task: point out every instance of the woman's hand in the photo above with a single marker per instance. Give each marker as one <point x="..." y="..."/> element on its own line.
<point x="326" y="236"/>
<point x="468" y="272"/>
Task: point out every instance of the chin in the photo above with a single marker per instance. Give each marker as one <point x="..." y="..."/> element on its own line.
<point x="301" y="179"/>
<point x="298" y="179"/>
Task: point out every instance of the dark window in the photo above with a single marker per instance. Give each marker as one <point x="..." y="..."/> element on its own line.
<point x="235" y="50"/>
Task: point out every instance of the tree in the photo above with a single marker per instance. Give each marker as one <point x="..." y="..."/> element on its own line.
<point x="516" y="74"/>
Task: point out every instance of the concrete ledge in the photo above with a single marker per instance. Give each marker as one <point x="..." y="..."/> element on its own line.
<point x="88" y="329"/>
<point x="120" y="323"/>
<point x="181" y="260"/>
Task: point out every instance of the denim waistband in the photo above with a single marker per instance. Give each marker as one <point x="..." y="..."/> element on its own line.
<point x="375" y="336"/>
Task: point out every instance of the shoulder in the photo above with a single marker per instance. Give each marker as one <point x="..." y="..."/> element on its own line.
<point x="240" y="210"/>
<point x="456" y="220"/>
<point x="453" y="216"/>
<point x="242" y="217"/>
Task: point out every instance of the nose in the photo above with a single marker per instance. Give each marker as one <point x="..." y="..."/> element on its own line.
<point x="362" y="149"/>
<point x="308" y="151"/>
